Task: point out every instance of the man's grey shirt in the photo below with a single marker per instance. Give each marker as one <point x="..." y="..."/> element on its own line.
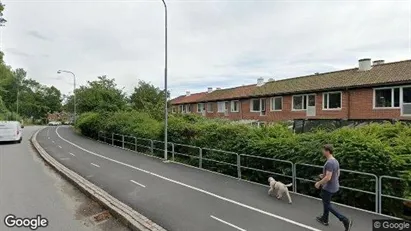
<point x="333" y="166"/>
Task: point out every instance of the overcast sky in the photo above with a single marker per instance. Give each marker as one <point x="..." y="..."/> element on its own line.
<point x="211" y="43"/>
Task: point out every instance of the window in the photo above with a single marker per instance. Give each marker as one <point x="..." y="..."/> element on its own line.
<point x="255" y="105"/>
<point x="209" y="107"/>
<point x="188" y="108"/>
<point x="406" y="95"/>
<point x="220" y="106"/>
<point x="173" y="109"/>
<point x="235" y="106"/>
<point x="182" y="109"/>
<point x="332" y="100"/>
<point x="200" y="107"/>
<point x="387" y="98"/>
<point x="277" y="103"/>
<point x="300" y="102"/>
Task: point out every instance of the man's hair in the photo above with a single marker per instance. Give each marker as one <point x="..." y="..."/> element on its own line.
<point x="328" y="148"/>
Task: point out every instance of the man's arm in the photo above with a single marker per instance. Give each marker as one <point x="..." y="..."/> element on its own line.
<point x="327" y="177"/>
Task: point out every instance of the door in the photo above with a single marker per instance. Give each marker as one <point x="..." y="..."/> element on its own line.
<point x="227" y="106"/>
<point x="311" y="109"/>
<point x="262" y="105"/>
<point x="406" y="101"/>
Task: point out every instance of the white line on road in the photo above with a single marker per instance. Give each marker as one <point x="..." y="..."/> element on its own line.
<point x="60" y="146"/>
<point x="52" y="141"/>
<point x="65" y="158"/>
<point x="194" y="188"/>
<point x="71" y="154"/>
<point x="48" y="137"/>
<point x="138" y="183"/>
<point x="95" y="165"/>
<point x="227" y="223"/>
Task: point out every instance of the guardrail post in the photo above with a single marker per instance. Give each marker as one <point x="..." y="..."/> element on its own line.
<point x="200" y="153"/>
<point x="172" y="151"/>
<point x="239" y="166"/>
<point x="380" y="194"/>
<point x="122" y="141"/>
<point x="295" y="177"/>
<point x="376" y="194"/>
<point x="135" y="143"/>
<point x="112" y="139"/>
<point x="152" y="146"/>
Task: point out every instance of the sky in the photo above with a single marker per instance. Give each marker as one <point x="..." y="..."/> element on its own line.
<point x="210" y="43"/>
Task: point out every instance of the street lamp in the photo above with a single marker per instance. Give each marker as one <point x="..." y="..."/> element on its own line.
<point x="74" y="91"/>
<point x="165" y="83"/>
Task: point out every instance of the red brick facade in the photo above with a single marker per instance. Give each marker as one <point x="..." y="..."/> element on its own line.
<point x="356" y="104"/>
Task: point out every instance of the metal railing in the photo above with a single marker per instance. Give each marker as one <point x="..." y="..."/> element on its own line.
<point x="202" y="157"/>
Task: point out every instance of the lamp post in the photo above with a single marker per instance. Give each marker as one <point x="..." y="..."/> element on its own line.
<point x="165" y="83"/>
<point x="74" y="90"/>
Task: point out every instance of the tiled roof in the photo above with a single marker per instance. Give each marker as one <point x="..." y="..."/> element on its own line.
<point x="379" y="75"/>
<point x="382" y="74"/>
<point x="229" y="93"/>
<point x="192" y="98"/>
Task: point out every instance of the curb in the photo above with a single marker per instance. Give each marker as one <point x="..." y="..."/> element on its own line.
<point x="132" y="219"/>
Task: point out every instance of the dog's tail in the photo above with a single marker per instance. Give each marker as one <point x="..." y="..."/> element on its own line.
<point x="289" y="185"/>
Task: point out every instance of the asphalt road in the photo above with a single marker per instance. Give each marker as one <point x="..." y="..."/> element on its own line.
<point x="187" y="199"/>
<point x="28" y="188"/>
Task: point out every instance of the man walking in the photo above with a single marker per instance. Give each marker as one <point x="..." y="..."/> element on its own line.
<point x="330" y="185"/>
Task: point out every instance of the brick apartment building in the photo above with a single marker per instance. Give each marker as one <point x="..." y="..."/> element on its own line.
<point x="375" y="90"/>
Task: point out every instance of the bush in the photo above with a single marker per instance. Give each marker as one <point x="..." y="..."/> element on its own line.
<point x="380" y="149"/>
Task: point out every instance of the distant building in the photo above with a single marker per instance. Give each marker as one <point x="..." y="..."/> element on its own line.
<point x="59" y="116"/>
<point x="375" y="90"/>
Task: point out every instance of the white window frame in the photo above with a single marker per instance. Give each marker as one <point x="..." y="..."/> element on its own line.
<point x="182" y="108"/>
<point x="173" y="109"/>
<point x="328" y="103"/>
<point x="252" y="105"/>
<point x="200" y="108"/>
<point x="392" y="98"/>
<point x="212" y="109"/>
<point x="218" y="106"/>
<point x="402" y="100"/>
<point x="306" y="102"/>
<point x="272" y="101"/>
<point x="232" y="105"/>
<point x="187" y="108"/>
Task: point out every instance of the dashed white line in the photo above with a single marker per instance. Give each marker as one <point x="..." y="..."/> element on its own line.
<point x="65" y="158"/>
<point x="227" y="223"/>
<point x="194" y="188"/>
<point x="138" y="183"/>
<point x="95" y="165"/>
<point x="60" y="146"/>
<point x="48" y="137"/>
<point x="71" y="154"/>
<point x="52" y="141"/>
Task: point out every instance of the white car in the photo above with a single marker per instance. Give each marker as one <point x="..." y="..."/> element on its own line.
<point x="11" y="131"/>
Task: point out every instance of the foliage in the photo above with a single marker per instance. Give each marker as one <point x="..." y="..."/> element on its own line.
<point x="380" y="149"/>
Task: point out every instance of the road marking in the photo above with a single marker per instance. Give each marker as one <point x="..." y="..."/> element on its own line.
<point x="52" y="141"/>
<point x="227" y="223"/>
<point x="193" y="188"/>
<point x="48" y="129"/>
<point x="138" y="183"/>
<point x="48" y="137"/>
<point x="95" y="165"/>
<point x="65" y="158"/>
<point x="71" y="154"/>
<point x="60" y="146"/>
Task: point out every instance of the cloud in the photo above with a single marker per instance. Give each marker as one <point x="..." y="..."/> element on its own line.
<point x="16" y="52"/>
<point x="211" y="43"/>
<point x="36" y="34"/>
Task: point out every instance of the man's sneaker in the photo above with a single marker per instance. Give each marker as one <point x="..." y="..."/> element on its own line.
<point x="320" y="219"/>
<point x="347" y="224"/>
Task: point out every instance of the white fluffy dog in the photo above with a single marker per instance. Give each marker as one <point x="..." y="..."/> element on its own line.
<point x="280" y="189"/>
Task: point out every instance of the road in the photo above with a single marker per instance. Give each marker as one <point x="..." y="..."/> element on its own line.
<point x="187" y="199"/>
<point x="28" y="188"/>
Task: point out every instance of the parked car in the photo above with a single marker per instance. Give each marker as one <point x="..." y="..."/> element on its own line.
<point x="54" y="123"/>
<point x="11" y="131"/>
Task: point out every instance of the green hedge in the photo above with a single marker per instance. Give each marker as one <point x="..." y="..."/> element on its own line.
<point x="380" y="149"/>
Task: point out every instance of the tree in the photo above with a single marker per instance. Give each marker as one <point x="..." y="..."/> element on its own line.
<point x="101" y="95"/>
<point x="148" y="98"/>
<point x="2" y="20"/>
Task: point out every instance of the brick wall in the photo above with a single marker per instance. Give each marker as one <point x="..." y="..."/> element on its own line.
<point x="356" y="104"/>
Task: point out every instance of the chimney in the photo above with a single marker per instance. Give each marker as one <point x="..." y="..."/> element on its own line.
<point x="209" y="90"/>
<point x="187" y="93"/>
<point x="260" y="81"/>
<point x="377" y="62"/>
<point x="270" y="79"/>
<point x="364" y="64"/>
<point x="218" y="88"/>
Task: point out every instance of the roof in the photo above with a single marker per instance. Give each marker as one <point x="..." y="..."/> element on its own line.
<point x="230" y="93"/>
<point x="382" y="74"/>
<point x="379" y="75"/>
<point x="192" y="98"/>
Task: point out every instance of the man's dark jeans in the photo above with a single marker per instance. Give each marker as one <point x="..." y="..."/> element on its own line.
<point x="326" y="198"/>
